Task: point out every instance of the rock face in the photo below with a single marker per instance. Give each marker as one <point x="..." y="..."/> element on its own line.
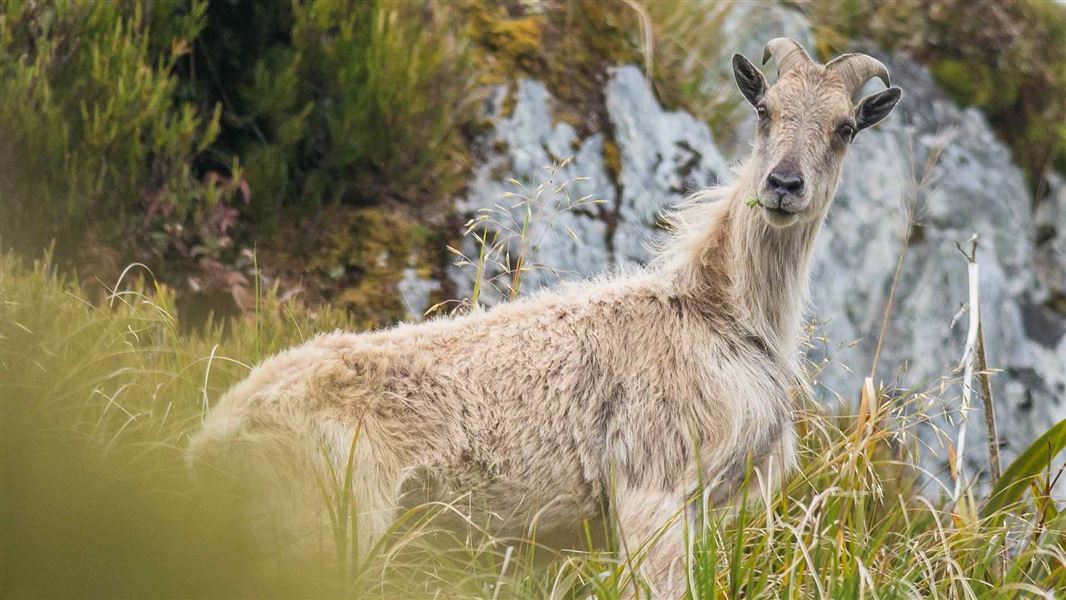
<point x="932" y="171"/>
<point x="591" y="213"/>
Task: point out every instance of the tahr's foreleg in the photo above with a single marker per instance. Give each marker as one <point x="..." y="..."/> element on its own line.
<point x="654" y="528"/>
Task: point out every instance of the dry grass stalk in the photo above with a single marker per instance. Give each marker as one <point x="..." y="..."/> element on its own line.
<point x="990" y="408"/>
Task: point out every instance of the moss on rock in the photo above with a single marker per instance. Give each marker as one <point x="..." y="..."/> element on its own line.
<point x="355" y="258"/>
<point x="570" y="47"/>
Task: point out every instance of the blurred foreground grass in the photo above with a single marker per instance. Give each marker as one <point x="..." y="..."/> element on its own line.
<point x="98" y="399"/>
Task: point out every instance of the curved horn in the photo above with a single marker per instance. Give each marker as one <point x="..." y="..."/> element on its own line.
<point x="787" y="53"/>
<point x="857" y="69"/>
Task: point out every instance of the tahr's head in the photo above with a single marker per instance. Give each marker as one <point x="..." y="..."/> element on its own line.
<point x="806" y="122"/>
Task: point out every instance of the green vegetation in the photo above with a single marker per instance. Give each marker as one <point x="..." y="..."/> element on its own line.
<point x="183" y="134"/>
<point x="329" y="103"/>
<point x="98" y="401"/>
<point x="187" y="135"/>
<point x="90" y="121"/>
<point x="1014" y="482"/>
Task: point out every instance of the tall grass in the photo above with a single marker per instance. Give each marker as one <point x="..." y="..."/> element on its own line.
<point x="99" y="397"/>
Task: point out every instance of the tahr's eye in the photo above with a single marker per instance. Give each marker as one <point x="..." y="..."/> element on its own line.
<point x="762" y="111"/>
<point x="846" y="131"/>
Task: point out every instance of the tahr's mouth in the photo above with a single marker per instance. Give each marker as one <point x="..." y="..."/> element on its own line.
<point x="778" y="217"/>
<point x="779" y="210"/>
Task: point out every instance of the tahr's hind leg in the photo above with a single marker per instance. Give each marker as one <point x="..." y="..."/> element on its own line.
<point x="360" y="488"/>
<point x="309" y="489"/>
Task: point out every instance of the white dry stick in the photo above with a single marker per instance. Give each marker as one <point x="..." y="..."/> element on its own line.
<point x="967" y="362"/>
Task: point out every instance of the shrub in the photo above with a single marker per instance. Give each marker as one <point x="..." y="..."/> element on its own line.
<point x="90" y="121"/>
<point x="177" y="134"/>
<point x="361" y="103"/>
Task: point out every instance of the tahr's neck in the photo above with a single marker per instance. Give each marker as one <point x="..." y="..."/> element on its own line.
<point x="730" y="259"/>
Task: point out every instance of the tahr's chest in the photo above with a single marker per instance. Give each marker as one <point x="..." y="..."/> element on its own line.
<point x="754" y="402"/>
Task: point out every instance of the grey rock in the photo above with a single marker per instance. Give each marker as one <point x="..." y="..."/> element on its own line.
<point x="1049" y="265"/>
<point x="415" y="291"/>
<point x="665" y="156"/>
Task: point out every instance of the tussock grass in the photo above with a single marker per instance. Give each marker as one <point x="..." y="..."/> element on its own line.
<point x="99" y="398"/>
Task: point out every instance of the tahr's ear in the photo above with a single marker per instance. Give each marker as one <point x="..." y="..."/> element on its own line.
<point x="876" y="107"/>
<point x="750" y="81"/>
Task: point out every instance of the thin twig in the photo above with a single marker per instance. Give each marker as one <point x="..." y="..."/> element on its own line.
<point x="646" y="35"/>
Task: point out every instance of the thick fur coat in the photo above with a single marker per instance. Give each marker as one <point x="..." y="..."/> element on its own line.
<point x="629" y="394"/>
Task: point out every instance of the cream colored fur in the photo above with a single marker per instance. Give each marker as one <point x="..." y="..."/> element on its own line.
<point x="633" y="392"/>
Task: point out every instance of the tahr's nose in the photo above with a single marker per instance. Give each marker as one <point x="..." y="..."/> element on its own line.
<point x="786" y="183"/>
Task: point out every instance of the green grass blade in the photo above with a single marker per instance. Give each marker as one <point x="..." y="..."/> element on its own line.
<point x="1010" y="488"/>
